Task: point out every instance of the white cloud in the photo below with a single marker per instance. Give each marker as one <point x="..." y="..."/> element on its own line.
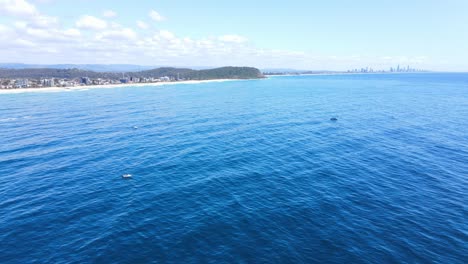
<point x="28" y="12"/>
<point x="128" y="46"/>
<point x="37" y="33"/>
<point x="26" y="33"/>
<point x="166" y="34"/>
<point x="17" y="8"/>
<point x="233" y="38"/>
<point x="156" y="16"/>
<point x="90" y="22"/>
<point x="119" y="34"/>
<point x="142" y="24"/>
<point x="25" y="43"/>
<point x="115" y="25"/>
<point x="43" y="21"/>
<point x="72" y="32"/>
<point x="4" y="30"/>
<point x="20" y="24"/>
<point x="109" y="13"/>
<point x="44" y="1"/>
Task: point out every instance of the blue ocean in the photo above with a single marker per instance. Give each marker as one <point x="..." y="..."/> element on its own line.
<point x="239" y="172"/>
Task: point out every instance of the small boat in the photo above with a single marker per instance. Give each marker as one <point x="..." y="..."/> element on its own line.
<point x="334" y="119"/>
<point x="127" y="176"/>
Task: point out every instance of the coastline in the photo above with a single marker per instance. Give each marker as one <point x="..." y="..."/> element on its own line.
<point x="107" y="86"/>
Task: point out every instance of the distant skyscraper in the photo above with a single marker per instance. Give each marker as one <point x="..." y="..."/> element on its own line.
<point x="48" y="82"/>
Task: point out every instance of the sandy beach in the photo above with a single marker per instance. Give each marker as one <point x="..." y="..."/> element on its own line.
<point x="86" y="87"/>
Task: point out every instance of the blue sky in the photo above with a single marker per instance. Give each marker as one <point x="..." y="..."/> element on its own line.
<point x="301" y="34"/>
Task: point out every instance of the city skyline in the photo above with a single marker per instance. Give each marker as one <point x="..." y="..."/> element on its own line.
<point x="396" y="69"/>
<point x="299" y="35"/>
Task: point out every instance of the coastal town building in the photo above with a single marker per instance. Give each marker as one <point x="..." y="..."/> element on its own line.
<point x="22" y="83"/>
<point x="85" y="80"/>
<point x="48" y="83"/>
<point x="17" y="79"/>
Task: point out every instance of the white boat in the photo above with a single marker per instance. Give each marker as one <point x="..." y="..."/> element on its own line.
<point x="126" y="176"/>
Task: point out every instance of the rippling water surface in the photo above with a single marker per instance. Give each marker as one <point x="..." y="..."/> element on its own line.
<point x="239" y="172"/>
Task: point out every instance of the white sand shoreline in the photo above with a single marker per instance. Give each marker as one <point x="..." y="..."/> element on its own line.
<point x="86" y="87"/>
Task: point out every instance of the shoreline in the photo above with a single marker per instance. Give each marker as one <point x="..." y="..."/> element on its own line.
<point x="106" y="86"/>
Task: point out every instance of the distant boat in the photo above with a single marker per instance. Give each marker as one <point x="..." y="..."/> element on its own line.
<point x="127" y="176"/>
<point x="334" y="119"/>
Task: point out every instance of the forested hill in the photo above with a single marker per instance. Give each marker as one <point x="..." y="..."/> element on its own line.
<point x="225" y="73"/>
<point x="181" y="73"/>
<point x="55" y="73"/>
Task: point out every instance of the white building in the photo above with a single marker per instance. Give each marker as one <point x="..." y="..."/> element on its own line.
<point x="48" y="82"/>
<point x="22" y="83"/>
